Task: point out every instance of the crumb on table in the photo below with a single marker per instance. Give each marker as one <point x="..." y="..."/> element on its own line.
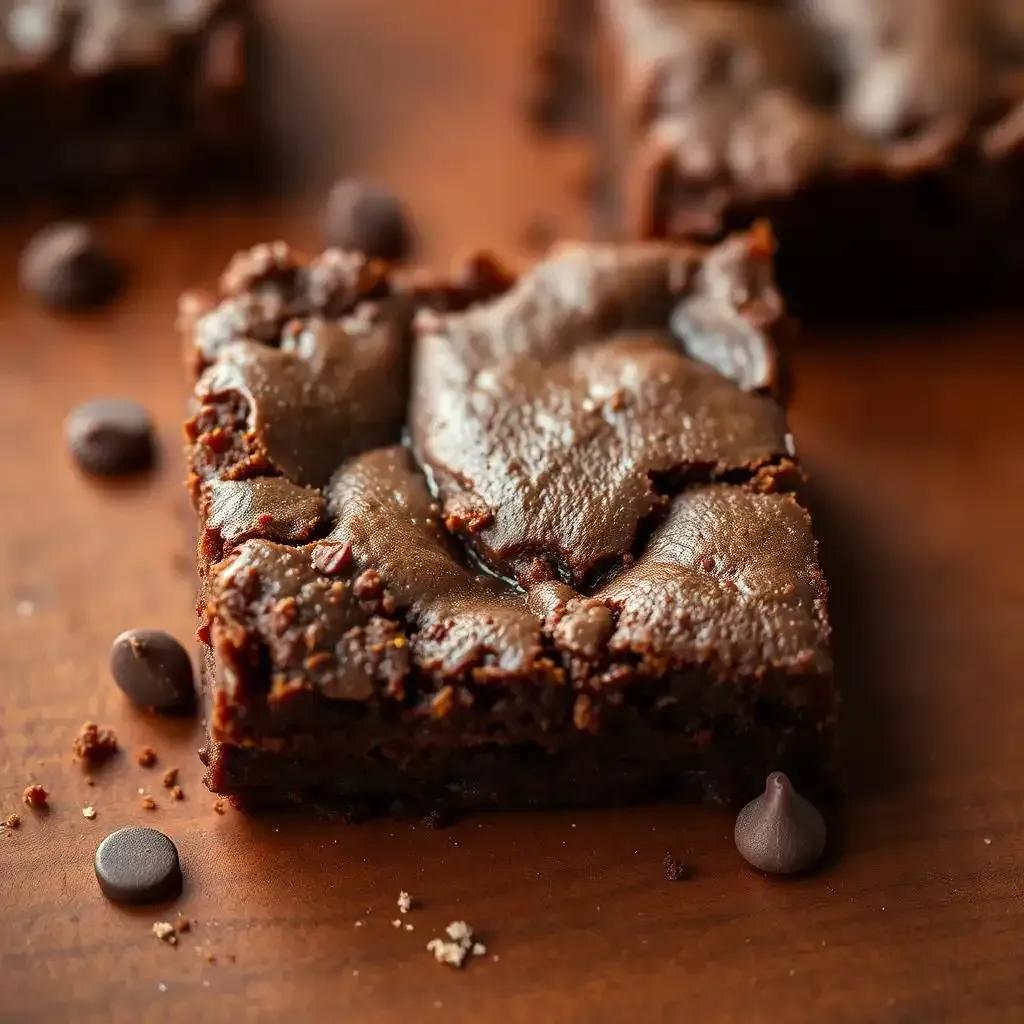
<point x="177" y="793"/>
<point x="94" y="743"/>
<point x="458" y="947"/>
<point x="13" y="820"/>
<point x="183" y="924"/>
<point x="675" y="869"/>
<point x="164" y="931"/>
<point x="35" y="796"/>
<point x="148" y="802"/>
<point x="170" y="778"/>
<point x="404" y="902"/>
<point x="219" y="807"/>
<point x="89" y="813"/>
<point x="145" y="757"/>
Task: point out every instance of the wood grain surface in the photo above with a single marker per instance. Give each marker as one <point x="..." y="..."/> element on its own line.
<point x="915" y="441"/>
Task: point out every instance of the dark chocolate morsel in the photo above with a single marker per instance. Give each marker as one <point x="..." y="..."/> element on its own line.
<point x="65" y="267"/>
<point x="366" y="218"/>
<point x="780" y="832"/>
<point x="153" y="669"/>
<point x="110" y="436"/>
<point x="138" y="865"/>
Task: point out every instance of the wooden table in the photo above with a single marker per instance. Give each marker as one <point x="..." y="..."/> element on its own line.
<point x="915" y="442"/>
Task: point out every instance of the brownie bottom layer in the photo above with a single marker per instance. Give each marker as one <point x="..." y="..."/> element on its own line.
<point x="731" y="771"/>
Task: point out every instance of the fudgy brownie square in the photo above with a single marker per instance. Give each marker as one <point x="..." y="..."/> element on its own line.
<point x="503" y="542"/>
<point x="99" y="95"/>
<point x="883" y="139"/>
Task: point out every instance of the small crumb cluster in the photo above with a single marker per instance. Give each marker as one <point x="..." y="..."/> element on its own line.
<point x="145" y="757"/>
<point x="94" y="743"/>
<point x="458" y="947"/>
<point x="675" y="869"/>
<point x="35" y="796"/>
<point x="165" y="932"/>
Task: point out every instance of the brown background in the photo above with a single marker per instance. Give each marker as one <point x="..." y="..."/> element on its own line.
<point x="914" y="438"/>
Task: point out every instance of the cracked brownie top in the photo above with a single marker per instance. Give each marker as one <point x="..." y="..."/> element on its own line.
<point x="769" y="94"/>
<point x="407" y="485"/>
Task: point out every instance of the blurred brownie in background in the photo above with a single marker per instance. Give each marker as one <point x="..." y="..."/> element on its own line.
<point x="96" y="95"/>
<point x="884" y="139"/>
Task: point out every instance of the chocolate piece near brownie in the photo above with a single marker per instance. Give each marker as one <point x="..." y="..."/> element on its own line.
<point x="97" y="95"/>
<point x="883" y="139"/>
<point x="525" y="550"/>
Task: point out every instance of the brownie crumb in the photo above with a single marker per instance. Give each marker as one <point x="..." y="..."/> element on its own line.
<point x="182" y="925"/>
<point x="164" y="931"/>
<point x="458" y="947"/>
<point x="219" y="807"/>
<point x="94" y="744"/>
<point x="177" y="793"/>
<point x="89" y="813"/>
<point x="170" y="778"/>
<point x="675" y="869"/>
<point x="368" y="585"/>
<point x="539" y="233"/>
<point x="148" y="802"/>
<point x="35" y="796"/>
<point x="90" y="781"/>
<point x="404" y="902"/>
<point x="145" y="757"/>
<point x="396" y="923"/>
<point x="13" y="820"/>
<point x="436" y="819"/>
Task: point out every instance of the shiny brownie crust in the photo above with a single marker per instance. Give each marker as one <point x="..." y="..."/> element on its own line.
<point x="485" y="541"/>
<point x="883" y="139"/>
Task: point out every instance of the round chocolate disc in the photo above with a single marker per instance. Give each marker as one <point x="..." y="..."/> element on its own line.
<point x="66" y="267"/>
<point x="153" y="670"/>
<point x="110" y="436"/>
<point x="138" y="865"/>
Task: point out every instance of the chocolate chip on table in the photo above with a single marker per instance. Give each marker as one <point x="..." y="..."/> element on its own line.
<point x="366" y="218"/>
<point x="110" y="436"/>
<point x="138" y="865"/>
<point x="153" y="670"/>
<point x="66" y="267"/>
<point x="780" y="832"/>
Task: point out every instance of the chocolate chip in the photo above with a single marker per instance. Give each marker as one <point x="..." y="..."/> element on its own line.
<point x="110" y="436"/>
<point x="153" y="669"/>
<point x="138" y="865"/>
<point x="366" y="218"/>
<point x="65" y="267"/>
<point x="780" y="832"/>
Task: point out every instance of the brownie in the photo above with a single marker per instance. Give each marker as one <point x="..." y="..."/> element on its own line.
<point x="485" y="541"/>
<point x="99" y="94"/>
<point x="883" y="139"/>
